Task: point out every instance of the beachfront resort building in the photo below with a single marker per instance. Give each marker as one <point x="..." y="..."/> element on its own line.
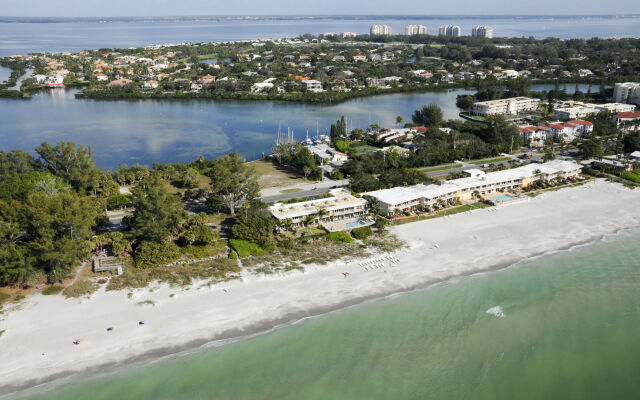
<point x="341" y="207"/>
<point x="482" y="31"/>
<point x="423" y="197"/>
<point x="377" y="30"/>
<point x="580" y="110"/>
<point x="449" y="31"/>
<point x="627" y="92"/>
<point x="512" y="106"/>
<point x="412" y="30"/>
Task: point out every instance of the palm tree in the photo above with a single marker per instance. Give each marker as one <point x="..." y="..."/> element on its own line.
<point x="399" y="120"/>
<point x="476" y="194"/>
<point x="374" y="206"/>
<point x="308" y="220"/>
<point x="321" y="213"/>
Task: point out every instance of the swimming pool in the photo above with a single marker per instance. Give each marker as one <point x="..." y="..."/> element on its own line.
<point x="502" y="197"/>
<point x="355" y="224"/>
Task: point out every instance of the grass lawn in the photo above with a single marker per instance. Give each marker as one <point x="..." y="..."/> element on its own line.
<point x="4" y="297"/>
<point x="84" y="287"/>
<point x="439" y="167"/>
<point x="270" y="175"/>
<point x="490" y="160"/>
<point x="203" y="182"/>
<point x="52" y="290"/>
<point x="443" y="213"/>
<point x="365" y="149"/>
<point x="246" y="248"/>
<point x="217" y="270"/>
<point x="207" y="56"/>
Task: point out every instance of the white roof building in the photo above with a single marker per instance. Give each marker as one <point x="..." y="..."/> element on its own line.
<point x="342" y="205"/>
<point x="312" y="85"/>
<point x="406" y="198"/>
<point x="260" y="86"/>
<point x="510" y="106"/>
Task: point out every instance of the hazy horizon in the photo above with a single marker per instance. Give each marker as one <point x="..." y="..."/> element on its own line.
<point x="321" y="16"/>
<point x="191" y="8"/>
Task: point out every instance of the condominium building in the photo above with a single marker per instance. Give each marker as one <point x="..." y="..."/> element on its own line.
<point x="449" y="31"/>
<point x="377" y="30"/>
<point x="567" y="131"/>
<point x="581" y="110"/>
<point x="342" y="205"/>
<point x="482" y="31"/>
<point x="347" y="35"/>
<point x="628" y="92"/>
<point x="512" y="106"/>
<point x="411" y="30"/>
<point x="424" y="197"/>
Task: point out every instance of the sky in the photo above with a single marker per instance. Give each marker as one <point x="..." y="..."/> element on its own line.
<point x="107" y="8"/>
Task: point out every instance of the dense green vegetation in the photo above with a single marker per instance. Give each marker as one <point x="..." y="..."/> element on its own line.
<point x="465" y="140"/>
<point x="51" y="211"/>
<point x="298" y="158"/>
<point x="362" y="232"/>
<point x="50" y="207"/>
<point x="449" y="62"/>
<point x="633" y="176"/>
<point x="244" y="248"/>
<point x="340" y="236"/>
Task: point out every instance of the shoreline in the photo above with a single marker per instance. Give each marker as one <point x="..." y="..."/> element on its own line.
<point x="411" y="278"/>
<point x="201" y="345"/>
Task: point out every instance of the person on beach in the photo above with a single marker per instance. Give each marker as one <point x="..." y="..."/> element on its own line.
<point x="141" y="322"/>
<point x="109" y="329"/>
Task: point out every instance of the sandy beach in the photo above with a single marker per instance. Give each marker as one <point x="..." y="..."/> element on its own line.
<point x="37" y="347"/>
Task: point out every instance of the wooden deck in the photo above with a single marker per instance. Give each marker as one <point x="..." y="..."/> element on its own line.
<point x="103" y="264"/>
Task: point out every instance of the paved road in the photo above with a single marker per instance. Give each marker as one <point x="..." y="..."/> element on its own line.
<point x="286" y="196"/>
<point x="466" y="166"/>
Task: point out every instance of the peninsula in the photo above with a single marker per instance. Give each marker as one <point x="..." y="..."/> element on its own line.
<point x="327" y="68"/>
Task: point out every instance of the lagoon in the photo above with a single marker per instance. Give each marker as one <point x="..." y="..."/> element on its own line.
<point x="168" y="131"/>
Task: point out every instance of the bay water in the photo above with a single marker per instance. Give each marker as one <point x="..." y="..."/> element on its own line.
<point x="24" y="35"/>
<point x="169" y="131"/>
<point x="563" y="326"/>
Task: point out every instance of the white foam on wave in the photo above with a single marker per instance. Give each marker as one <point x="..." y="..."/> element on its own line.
<point x="496" y="311"/>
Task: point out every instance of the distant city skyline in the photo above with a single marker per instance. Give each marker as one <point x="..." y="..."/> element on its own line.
<point x="113" y="8"/>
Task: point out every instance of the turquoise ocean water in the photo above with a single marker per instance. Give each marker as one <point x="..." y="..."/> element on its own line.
<point x="564" y="326"/>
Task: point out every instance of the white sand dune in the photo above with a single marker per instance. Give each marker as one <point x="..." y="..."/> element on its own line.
<point x="38" y="340"/>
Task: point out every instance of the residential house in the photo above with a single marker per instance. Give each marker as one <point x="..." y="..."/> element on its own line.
<point x="149" y="84"/>
<point x="313" y="85"/>
<point x="119" y="82"/>
<point x="627" y="121"/>
<point x="206" y="79"/>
